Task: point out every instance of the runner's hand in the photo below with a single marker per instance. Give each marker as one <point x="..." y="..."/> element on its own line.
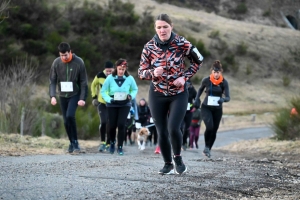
<point x="158" y="71"/>
<point x="81" y="103"/>
<point x="179" y="82"/>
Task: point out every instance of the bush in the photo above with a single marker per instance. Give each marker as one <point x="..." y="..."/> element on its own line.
<point x="286" y="81"/>
<point x="241" y="48"/>
<point x="214" y="34"/>
<point x="241" y="8"/>
<point x="285" y="125"/>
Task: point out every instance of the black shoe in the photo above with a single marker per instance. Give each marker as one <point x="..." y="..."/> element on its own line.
<point x="76" y="147"/>
<point x="180" y="168"/>
<point x="196" y="145"/>
<point x="112" y="148"/>
<point x="167" y="169"/>
<point x="206" y="152"/>
<point x="71" y="148"/>
<point x="120" y="151"/>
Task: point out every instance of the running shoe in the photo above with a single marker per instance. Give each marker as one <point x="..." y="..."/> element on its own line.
<point x="180" y="168"/>
<point x="184" y="147"/>
<point x="167" y="169"/>
<point x="157" y="150"/>
<point x="102" y="147"/>
<point x="76" y="147"/>
<point x="107" y="147"/>
<point x="112" y="148"/>
<point x="120" y="151"/>
<point x="71" y="148"/>
<point x="206" y="152"/>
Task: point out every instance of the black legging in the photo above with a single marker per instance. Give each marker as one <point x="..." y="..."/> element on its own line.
<point x="168" y="124"/>
<point x="102" y="112"/>
<point x="153" y="134"/>
<point x="185" y="126"/>
<point x="68" y="108"/>
<point x="117" y="119"/>
<point x="211" y="117"/>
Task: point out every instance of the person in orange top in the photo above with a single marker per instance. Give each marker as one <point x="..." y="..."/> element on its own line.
<point x="217" y="92"/>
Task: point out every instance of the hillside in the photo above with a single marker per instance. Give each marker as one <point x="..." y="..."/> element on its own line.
<point x="271" y="54"/>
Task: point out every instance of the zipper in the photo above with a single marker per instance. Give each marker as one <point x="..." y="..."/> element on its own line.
<point x="167" y="72"/>
<point x="67" y="77"/>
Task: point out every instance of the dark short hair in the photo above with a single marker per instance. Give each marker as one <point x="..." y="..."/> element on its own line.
<point x="164" y="17"/>
<point x="216" y="66"/>
<point x="120" y="61"/>
<point x="64" y="47"/>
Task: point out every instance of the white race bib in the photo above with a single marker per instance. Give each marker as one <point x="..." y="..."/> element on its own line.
<point x="138" y="125"/>
<point x="213" y="101"/>
<point x="120" y="96"/>
<point x="188" y="106"/>
<point x="66" y="86"/>
<point x="151" y="120"/>
<point x="128" y="116"/>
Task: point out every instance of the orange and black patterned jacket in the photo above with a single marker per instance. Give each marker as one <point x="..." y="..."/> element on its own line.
<point x="172" y="61"/>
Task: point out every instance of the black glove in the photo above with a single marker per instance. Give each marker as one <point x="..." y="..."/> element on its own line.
<point x="196" y="103"/>
<point x="112" y="101"/>
<point x="221" y="100"/>
<point x="95" y="102"/>
<point x="129" y="97"/>
<point x="95" y="97"/>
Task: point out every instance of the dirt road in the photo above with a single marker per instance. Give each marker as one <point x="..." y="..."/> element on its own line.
<point x="96" y="175"/>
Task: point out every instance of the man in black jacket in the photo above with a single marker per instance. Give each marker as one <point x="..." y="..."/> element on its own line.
<point x="69" y="73"/>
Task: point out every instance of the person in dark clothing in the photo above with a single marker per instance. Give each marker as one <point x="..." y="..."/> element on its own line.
<point x="217" y="92"/>
<point x="69" y="73"/>
<point x="99" y="102"/>
<point x="185" y="125"/>
<point x="162" y="62"/>
<point x="129" y="125"/>
<point x="195" y="127"/>
<point x="143" y="112"/>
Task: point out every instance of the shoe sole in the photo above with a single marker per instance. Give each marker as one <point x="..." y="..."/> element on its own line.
<point x="206" y="155"/>
<point x="182" y="172"/>
<point x="169" y="173"/>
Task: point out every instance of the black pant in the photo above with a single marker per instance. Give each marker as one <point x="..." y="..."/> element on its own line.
<point x="102" y="112"/>
<point x="153" y="134"/>
<point x="117" y="119"/>
<point x="167" y="113"/>
<point x="68" y="108"/>
<point x="211" y="117"/>
<point x="185" y="126"/>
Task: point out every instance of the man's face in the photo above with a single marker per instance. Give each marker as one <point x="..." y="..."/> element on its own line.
<point x="108" y="71"/>
<point x="64" y="56"/>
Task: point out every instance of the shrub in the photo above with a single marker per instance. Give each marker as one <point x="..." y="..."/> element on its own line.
<point x="249" y="69"/>
<point x="241" y="8"/>
<point x="285" y="125"/>
<point x="214" y="34"/>
<point x="286" y="81"/>
<point x="241" y="48"/>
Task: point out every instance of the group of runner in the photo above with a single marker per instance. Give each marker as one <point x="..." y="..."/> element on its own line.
<point x="114" y="90"/>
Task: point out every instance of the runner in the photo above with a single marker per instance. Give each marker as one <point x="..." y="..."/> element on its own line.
<point x="162" y="62"/>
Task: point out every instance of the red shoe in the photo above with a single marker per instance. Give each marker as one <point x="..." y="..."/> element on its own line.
<point x="157" y="150"/>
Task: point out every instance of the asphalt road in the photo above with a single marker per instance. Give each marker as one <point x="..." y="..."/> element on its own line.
<point x="95" y="175"/>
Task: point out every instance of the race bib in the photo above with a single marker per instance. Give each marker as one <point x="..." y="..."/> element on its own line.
<point x="151" y="120"/>
<point x="66" y="86"/>
<point x="128" y="116"/>
<point x="213" y="101"/>
<point x="188" y="106"/>
<point x="138" y="125"/>
<point x="120" y="96"/>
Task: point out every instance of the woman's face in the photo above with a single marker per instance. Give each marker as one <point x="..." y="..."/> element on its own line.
<point x="216" y="74"/>
<point x="121" y="70"/>
<point x="163" y="30"/>
<point x="142" y="102"/>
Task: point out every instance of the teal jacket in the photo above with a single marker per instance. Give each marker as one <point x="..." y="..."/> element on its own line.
<point x="114" y="84"/>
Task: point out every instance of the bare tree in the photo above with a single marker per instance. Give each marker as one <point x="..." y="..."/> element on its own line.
<point x="4" y="9"/>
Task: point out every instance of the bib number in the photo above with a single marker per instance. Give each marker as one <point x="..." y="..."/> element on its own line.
<point x="188" y="106"/>
<point x="213" y="101"/>
<point x="120" y="96"/>
<point x="66" y="86"/>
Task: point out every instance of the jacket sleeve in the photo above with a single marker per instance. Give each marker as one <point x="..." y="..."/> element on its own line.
<point x="194" y="67"/>
<point x="133" y="89"/>
<point x="53" y="81"/>
<point x="105" y="89"/>
<point x="226" y="91"/>
<point x="83" y="82"/>
<point x="145" y="72"/>
<point x="95" y="87"/>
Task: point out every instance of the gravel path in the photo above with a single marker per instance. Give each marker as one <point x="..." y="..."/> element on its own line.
<point x="94" y="175"/>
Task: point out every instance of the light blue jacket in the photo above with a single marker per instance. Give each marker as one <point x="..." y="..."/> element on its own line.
<point x="110" y="87"/>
